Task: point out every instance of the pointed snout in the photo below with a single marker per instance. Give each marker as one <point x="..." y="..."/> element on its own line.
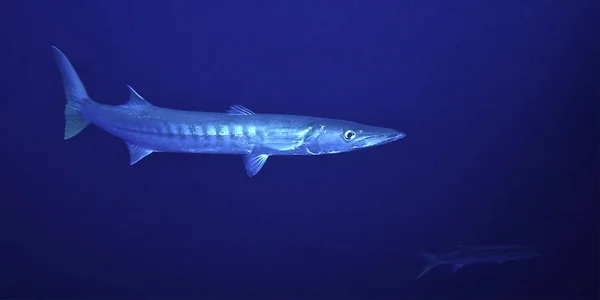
<point x="380" y="136"/>
<point x="396" y="135"/>
<point x="392" y="135"/>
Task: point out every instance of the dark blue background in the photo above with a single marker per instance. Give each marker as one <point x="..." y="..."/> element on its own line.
<point x="499" y="100"/>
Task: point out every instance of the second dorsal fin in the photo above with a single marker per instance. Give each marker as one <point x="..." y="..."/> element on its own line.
<point x="135" y="100"/>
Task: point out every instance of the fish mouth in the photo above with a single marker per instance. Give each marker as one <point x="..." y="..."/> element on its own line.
<point x="380" y="139"/>
<point x="397" y="135"/>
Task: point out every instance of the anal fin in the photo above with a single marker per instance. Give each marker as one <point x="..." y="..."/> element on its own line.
<point x="254" y="162"/>
<point x="136" y="153"/>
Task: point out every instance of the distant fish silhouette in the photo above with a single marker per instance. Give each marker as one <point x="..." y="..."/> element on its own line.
<point x="483" y="254"/>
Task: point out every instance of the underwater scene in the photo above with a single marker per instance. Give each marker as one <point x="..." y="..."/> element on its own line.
<point x="385" y="149"/>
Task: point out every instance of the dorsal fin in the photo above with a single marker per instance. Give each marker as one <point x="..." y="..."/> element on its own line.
<point x="135" y="100"/>
<point x="239" y="110"/>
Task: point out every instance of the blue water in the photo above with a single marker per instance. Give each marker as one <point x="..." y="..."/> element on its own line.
<point x="499" y="101"/>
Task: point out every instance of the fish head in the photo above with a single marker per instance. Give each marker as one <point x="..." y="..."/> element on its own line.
<point x="344" y="136"/>
<point x="529" y="252"/>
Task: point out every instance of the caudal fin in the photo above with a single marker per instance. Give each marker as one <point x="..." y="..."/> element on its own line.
<point x="431" y="262"/>
<point x="75" y="93"/>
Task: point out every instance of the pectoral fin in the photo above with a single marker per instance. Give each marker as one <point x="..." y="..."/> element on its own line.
<point x="455" y="267"/>
<point x="254" y="162"/>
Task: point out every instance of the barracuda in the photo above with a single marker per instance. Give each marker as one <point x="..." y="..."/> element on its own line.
<point x="147" y="128"/>
<point x="463" y="256"/>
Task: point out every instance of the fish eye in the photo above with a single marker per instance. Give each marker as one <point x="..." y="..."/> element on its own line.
<point x="349" y="135"/>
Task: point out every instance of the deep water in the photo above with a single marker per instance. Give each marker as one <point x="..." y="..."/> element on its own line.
<point x="498" y="100"/>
